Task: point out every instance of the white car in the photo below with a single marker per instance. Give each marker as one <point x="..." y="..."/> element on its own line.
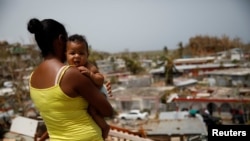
<point x="134" y="114"/>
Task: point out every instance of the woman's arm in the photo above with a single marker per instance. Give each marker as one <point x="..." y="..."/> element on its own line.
<point x="75" y="84"/>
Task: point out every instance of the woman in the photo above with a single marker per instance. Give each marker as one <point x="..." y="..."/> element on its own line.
<point x="61" y="93"/>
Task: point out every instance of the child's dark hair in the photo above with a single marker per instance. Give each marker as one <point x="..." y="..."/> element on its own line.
<point x="80" y="39"/>
<point x="46" y="31"/>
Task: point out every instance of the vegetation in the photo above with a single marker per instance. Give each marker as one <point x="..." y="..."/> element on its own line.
<point x="15" y="68"/>
<point x="16" y="58"/>
<point x="132" y="64"/>
<point x="206" y="45"/>
<point x="17" y="61"/>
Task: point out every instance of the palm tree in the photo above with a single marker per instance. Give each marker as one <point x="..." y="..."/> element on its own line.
<point x="165" y="49"/>
<point x="132" y="65"/>
<point x="169" y="74"/>
<point x="168" y="67"/>
<point x="180" y="50"/>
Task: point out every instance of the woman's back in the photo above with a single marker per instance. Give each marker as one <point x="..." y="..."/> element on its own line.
<point x="64" y="114"/>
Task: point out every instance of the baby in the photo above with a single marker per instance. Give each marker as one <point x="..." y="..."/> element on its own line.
<point x="77" y="54"/>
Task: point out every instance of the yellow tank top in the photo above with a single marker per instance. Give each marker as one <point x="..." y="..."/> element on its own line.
<point x="66" y="118"/>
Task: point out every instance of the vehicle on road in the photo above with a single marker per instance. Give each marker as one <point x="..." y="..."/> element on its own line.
<point x="134" y="114"/>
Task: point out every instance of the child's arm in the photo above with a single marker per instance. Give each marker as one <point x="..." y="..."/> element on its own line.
<point x="96" y="76"/>
<point x="93" y="73"/>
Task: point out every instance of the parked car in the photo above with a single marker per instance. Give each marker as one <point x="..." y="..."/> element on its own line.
<point x="134" y="114"/>
<point x="8" y="84"/>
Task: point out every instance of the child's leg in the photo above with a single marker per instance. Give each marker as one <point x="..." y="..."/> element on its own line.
<point x="100" y="121"/>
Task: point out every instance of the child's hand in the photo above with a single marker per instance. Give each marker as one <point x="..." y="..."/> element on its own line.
<point x="84" y="70"/>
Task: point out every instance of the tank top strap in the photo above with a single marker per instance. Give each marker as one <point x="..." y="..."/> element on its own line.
<point x="60" y="74"/>
<point x="30" y="77"/>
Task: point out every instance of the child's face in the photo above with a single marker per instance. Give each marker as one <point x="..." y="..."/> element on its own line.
<point x="76" y="53"/>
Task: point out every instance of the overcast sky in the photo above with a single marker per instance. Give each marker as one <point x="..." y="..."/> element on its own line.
<point x="134" y="25"/>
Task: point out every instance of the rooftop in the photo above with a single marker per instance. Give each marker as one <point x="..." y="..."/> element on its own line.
<point x="235" y="71"/>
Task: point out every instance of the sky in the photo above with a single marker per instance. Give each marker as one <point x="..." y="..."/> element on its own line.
<point x="130" y="25"/>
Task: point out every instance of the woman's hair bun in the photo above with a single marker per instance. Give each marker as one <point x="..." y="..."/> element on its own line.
<point x="34" y="26"/>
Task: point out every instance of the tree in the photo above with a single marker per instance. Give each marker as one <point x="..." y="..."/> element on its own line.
<point x="169" y="74"/>
<point x="132" y="65"/>
<point x="180" y="50"/>
<point x="165" y="49"/>
<point x="168" y="68"/>
<point x="94" y="56"/>
<point x="15" y="63"/>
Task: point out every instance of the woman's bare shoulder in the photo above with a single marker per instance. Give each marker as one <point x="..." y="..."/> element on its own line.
<point x="72" y="82"/>
<point x="72" y="71"/>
